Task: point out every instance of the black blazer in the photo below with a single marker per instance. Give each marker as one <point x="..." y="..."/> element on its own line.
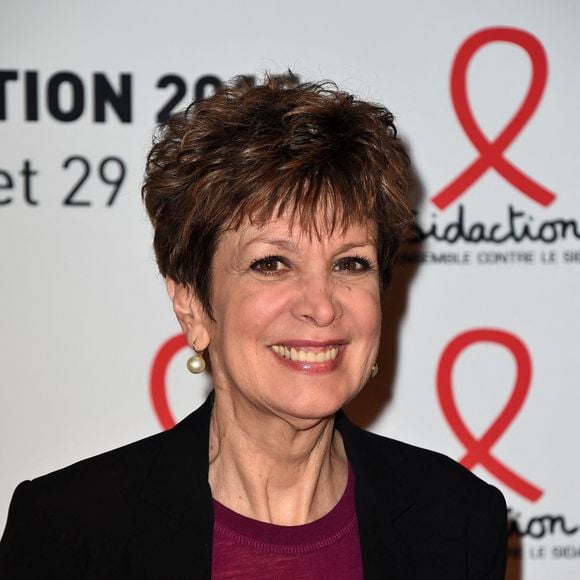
<point x="144" y="511"/>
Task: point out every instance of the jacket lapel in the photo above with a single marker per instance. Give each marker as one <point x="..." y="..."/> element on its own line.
<point x="381" y="500"/>
<point x="178" y="541"/>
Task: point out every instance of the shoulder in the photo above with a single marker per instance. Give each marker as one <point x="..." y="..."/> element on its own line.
<point x="93" y="510"/>
<point x="111" y="473"/>
<point x="120" y="474"/>
<point x="424" y="473"/>
<point x="449" y="520"/>
<point x="114" y="481"/>
<point x="70" y="502"/>
<point x="53" y="520"/>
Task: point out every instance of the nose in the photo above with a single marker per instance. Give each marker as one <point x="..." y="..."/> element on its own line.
<point x="316" y="301"/>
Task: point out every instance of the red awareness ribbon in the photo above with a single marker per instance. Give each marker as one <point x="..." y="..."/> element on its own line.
<point x="157" y="379"/>
<point x="491" y="152"/>
<point x="479" y="450"/>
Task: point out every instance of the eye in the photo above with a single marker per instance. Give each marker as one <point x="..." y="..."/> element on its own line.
<point x="270" y="265"/>
<point x="352" y="264"/>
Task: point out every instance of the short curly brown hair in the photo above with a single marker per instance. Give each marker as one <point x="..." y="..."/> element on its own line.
<point x="253" y="152"/>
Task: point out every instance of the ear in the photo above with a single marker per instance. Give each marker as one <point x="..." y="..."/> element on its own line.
<point x="190" y="314"/>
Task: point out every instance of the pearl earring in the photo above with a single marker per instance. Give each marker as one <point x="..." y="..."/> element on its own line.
<point x="374" y="371"/>
<point x="196" y="364"/>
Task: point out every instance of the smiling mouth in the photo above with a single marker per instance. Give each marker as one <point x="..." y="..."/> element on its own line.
<point x="299" y="355"/>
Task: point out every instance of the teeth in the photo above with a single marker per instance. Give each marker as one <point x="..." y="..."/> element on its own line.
<point x="296" y="354"/>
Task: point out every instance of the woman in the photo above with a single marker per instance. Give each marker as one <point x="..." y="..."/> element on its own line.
<point x="277" y="211"/>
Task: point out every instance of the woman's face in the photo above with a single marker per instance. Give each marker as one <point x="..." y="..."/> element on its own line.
<point x="297" y="318"/>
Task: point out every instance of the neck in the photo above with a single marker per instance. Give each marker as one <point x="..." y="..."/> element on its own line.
<point x="272" y="469"/>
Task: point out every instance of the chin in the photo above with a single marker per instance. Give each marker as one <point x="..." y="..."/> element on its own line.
<point x="316" y="405"/>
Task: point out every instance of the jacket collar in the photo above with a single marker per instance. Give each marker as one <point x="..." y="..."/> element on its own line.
<point x="178" y="496"/>
<point x="381" y="500"/>
<point x="179" y="543"/>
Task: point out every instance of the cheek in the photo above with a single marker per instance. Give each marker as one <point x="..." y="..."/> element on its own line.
<point x="366" y="313"/>
<point x="248" y="314"/>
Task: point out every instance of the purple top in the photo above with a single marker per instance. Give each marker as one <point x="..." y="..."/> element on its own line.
<point x="247" y="549"/>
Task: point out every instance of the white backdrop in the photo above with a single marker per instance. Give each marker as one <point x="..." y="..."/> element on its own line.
<point x="481" y="352"/>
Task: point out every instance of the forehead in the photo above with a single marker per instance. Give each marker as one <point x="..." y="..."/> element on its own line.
<point x="319" y="210"/>
<point x="284" y="231"/>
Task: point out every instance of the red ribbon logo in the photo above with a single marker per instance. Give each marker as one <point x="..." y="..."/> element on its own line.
<point x="479" y="450"/>
<point x="491" y="152"/>
<point x="157" y="379"/>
